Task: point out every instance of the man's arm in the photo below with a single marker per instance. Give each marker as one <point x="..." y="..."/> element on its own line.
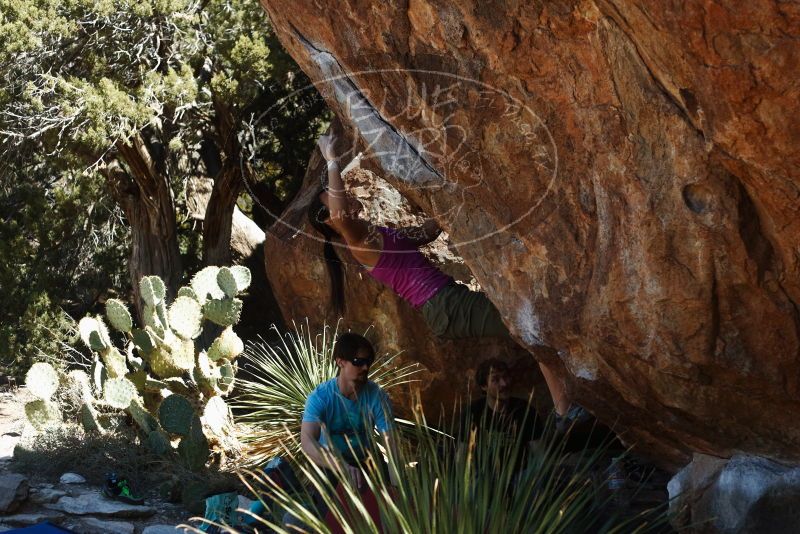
<point x="309" y="442"/>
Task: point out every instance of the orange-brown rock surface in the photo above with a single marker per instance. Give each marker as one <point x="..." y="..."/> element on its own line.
<point x="620" y="177"/>
<point x="296" y="269"/>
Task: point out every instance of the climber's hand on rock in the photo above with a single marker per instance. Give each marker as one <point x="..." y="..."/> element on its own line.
<point x="325" y="144"/>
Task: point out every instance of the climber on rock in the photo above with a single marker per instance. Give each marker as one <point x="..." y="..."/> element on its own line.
<point x="451" y="310"/>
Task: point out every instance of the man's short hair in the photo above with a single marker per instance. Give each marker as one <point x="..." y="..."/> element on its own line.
<point x="482" y="374"/>
<point x="348" y="344"/>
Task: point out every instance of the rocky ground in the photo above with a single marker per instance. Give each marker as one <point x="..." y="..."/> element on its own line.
<point x="70" y="502"/>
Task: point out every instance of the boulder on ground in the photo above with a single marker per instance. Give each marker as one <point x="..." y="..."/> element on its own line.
<point x="13" y="492"/>
<point x="743" y="495"/>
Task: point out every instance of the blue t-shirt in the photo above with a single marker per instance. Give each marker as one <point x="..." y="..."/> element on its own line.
<point x="344" y="419"/>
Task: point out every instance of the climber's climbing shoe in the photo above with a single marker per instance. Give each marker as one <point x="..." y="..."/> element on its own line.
<point x="118" y="488"/>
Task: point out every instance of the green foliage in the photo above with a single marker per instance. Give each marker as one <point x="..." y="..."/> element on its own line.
<point x="170" y="373"/>
<point x="51" y="222"/>
<point x="467" y="478"/>
<point x="281" y="378"/>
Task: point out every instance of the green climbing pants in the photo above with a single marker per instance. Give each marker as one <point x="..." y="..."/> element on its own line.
<point x="456" y="312"/>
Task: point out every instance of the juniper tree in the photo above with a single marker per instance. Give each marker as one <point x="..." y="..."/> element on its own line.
<point x="147" y="93"/>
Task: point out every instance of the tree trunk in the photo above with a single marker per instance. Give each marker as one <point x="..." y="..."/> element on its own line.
<point x="219" y="217"/>
<point x="146" y="198"/>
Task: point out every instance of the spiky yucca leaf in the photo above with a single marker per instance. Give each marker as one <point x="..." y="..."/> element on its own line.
<point x="282" y="378"/>
<point x="480" y="480"/>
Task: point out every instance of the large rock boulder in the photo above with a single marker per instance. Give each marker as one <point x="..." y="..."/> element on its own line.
<point x="14" y="490"/>
<point x="296" y="269"/>
<point x="622" y="179"/>
<point x="743" y="495"/>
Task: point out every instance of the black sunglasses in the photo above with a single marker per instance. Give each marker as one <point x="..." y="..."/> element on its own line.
<point x="359" y="362"/>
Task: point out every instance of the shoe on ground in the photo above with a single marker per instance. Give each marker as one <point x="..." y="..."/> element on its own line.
<point x="118" y="489"/>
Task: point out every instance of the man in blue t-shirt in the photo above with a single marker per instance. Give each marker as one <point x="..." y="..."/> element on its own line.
<point x="341" y="412"/>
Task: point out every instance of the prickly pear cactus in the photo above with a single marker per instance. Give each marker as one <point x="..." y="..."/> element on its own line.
<point x="175" y="414"/>
<point x="43" y="414"/>
<point x="118" y="315"/>
<point x="164" y="377"/>
<point x="42" y="380"/>
<point x="119" y="392"/>
<point x="224" y="312"/>
<point x="227" y="346"/>
<point x="193" y="449"/>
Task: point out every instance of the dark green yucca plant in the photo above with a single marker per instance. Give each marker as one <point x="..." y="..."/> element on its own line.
<point x="281" y="376"/>
<point x="470" y="484"/>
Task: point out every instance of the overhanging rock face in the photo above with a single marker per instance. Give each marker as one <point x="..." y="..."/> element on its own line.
<point x="621" y="180"/>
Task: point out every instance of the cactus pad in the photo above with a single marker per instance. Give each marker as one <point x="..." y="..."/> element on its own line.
<point x="242" y="276"/>
<point x="152" y="320"/>
<point x="187" y="291"/>
<point x="102" y="330"/>
<point x="224" y="312"/>
<point x="118" y="315"/>
<point x="143" y="341"/>
<point x="152" y="290"/>
<point x="162" y="364"/>
<point x="228" y="346"/>
<point x="89" y="329"/>
<point x="158" y="442"/>
<point x="115" y="362"/>
<point x="175" y="414"/>
<point x="227" y="282"/>
<point x="119" y="392"/>
<point x="193" y="448"/>
<point x="185" y="317"/>
<point x="217" y="415"/>
<point x="42" y="380"/>
<point x="42" y="413"/>
<point x="79" y="382"/>
<point x="205" y="285"/>
<point x="99" y="375"/>
<point x="227" y="373"/>
<point x="142" y="417"/>
<point x="89" y="419"/>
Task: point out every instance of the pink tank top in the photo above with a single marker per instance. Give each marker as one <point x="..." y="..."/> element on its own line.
<point x="403" y="268"/>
